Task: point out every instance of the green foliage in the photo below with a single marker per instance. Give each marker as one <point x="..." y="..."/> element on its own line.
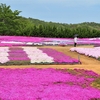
<point x="8" y="20"/>
<point x="13" y="24"/>
<point x="96" y="83"/>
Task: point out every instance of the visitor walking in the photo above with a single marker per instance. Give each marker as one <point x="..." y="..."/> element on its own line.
<point x="75" y="41"/>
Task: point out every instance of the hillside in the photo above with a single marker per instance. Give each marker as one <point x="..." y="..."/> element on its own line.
<point x="13" y="24"/>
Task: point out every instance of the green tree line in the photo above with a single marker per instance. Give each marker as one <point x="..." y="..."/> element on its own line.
<point x="13" y="24"/>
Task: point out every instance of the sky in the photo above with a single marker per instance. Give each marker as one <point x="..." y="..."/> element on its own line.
<point x="60" y="11"/>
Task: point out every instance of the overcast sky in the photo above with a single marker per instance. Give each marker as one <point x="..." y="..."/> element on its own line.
<point x="62" y="11"/>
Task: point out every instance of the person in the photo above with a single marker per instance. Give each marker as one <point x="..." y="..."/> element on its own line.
<point x="75" y="41"/>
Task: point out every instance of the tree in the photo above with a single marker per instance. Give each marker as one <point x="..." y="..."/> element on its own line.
<point x="8" y="19"/>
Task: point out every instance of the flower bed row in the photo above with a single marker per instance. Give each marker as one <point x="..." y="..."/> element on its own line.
<point x="22" y="40"/>
<point x="92" y="52"/>
<point x="33" y="55"/>
<point x="48" y="84"/>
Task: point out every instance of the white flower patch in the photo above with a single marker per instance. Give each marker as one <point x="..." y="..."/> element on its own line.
<point x="4" y="54"/>
<point x="12" y="42"/>
<point x="37" y="56"/>
<point x="93" y="52"/>
<point x="29" y="48"/>
<point x="4" y="49"/>
<point x="4" y="59"/>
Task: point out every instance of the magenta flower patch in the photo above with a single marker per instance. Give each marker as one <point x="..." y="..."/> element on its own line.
<point x="17" y="54"/>
<point x="59" y="57"/>
<point x="47" y="84"/>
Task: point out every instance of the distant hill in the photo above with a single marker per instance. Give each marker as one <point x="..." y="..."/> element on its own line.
<point x="13" y="24"/>
<point x="84" y="24"/>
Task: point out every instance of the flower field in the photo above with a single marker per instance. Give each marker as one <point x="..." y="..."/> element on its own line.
<point x="92" y="52"/>
<point x="48" y="84"/>
<point x="37" y="82"/>
<point x="33" y="55"/>
<point x="23" y="41"/>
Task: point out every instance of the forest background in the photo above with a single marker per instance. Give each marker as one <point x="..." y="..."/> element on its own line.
<point x="14" y="25"/>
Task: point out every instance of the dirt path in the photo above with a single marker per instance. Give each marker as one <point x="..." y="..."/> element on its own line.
<point x="87" y="62"/>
